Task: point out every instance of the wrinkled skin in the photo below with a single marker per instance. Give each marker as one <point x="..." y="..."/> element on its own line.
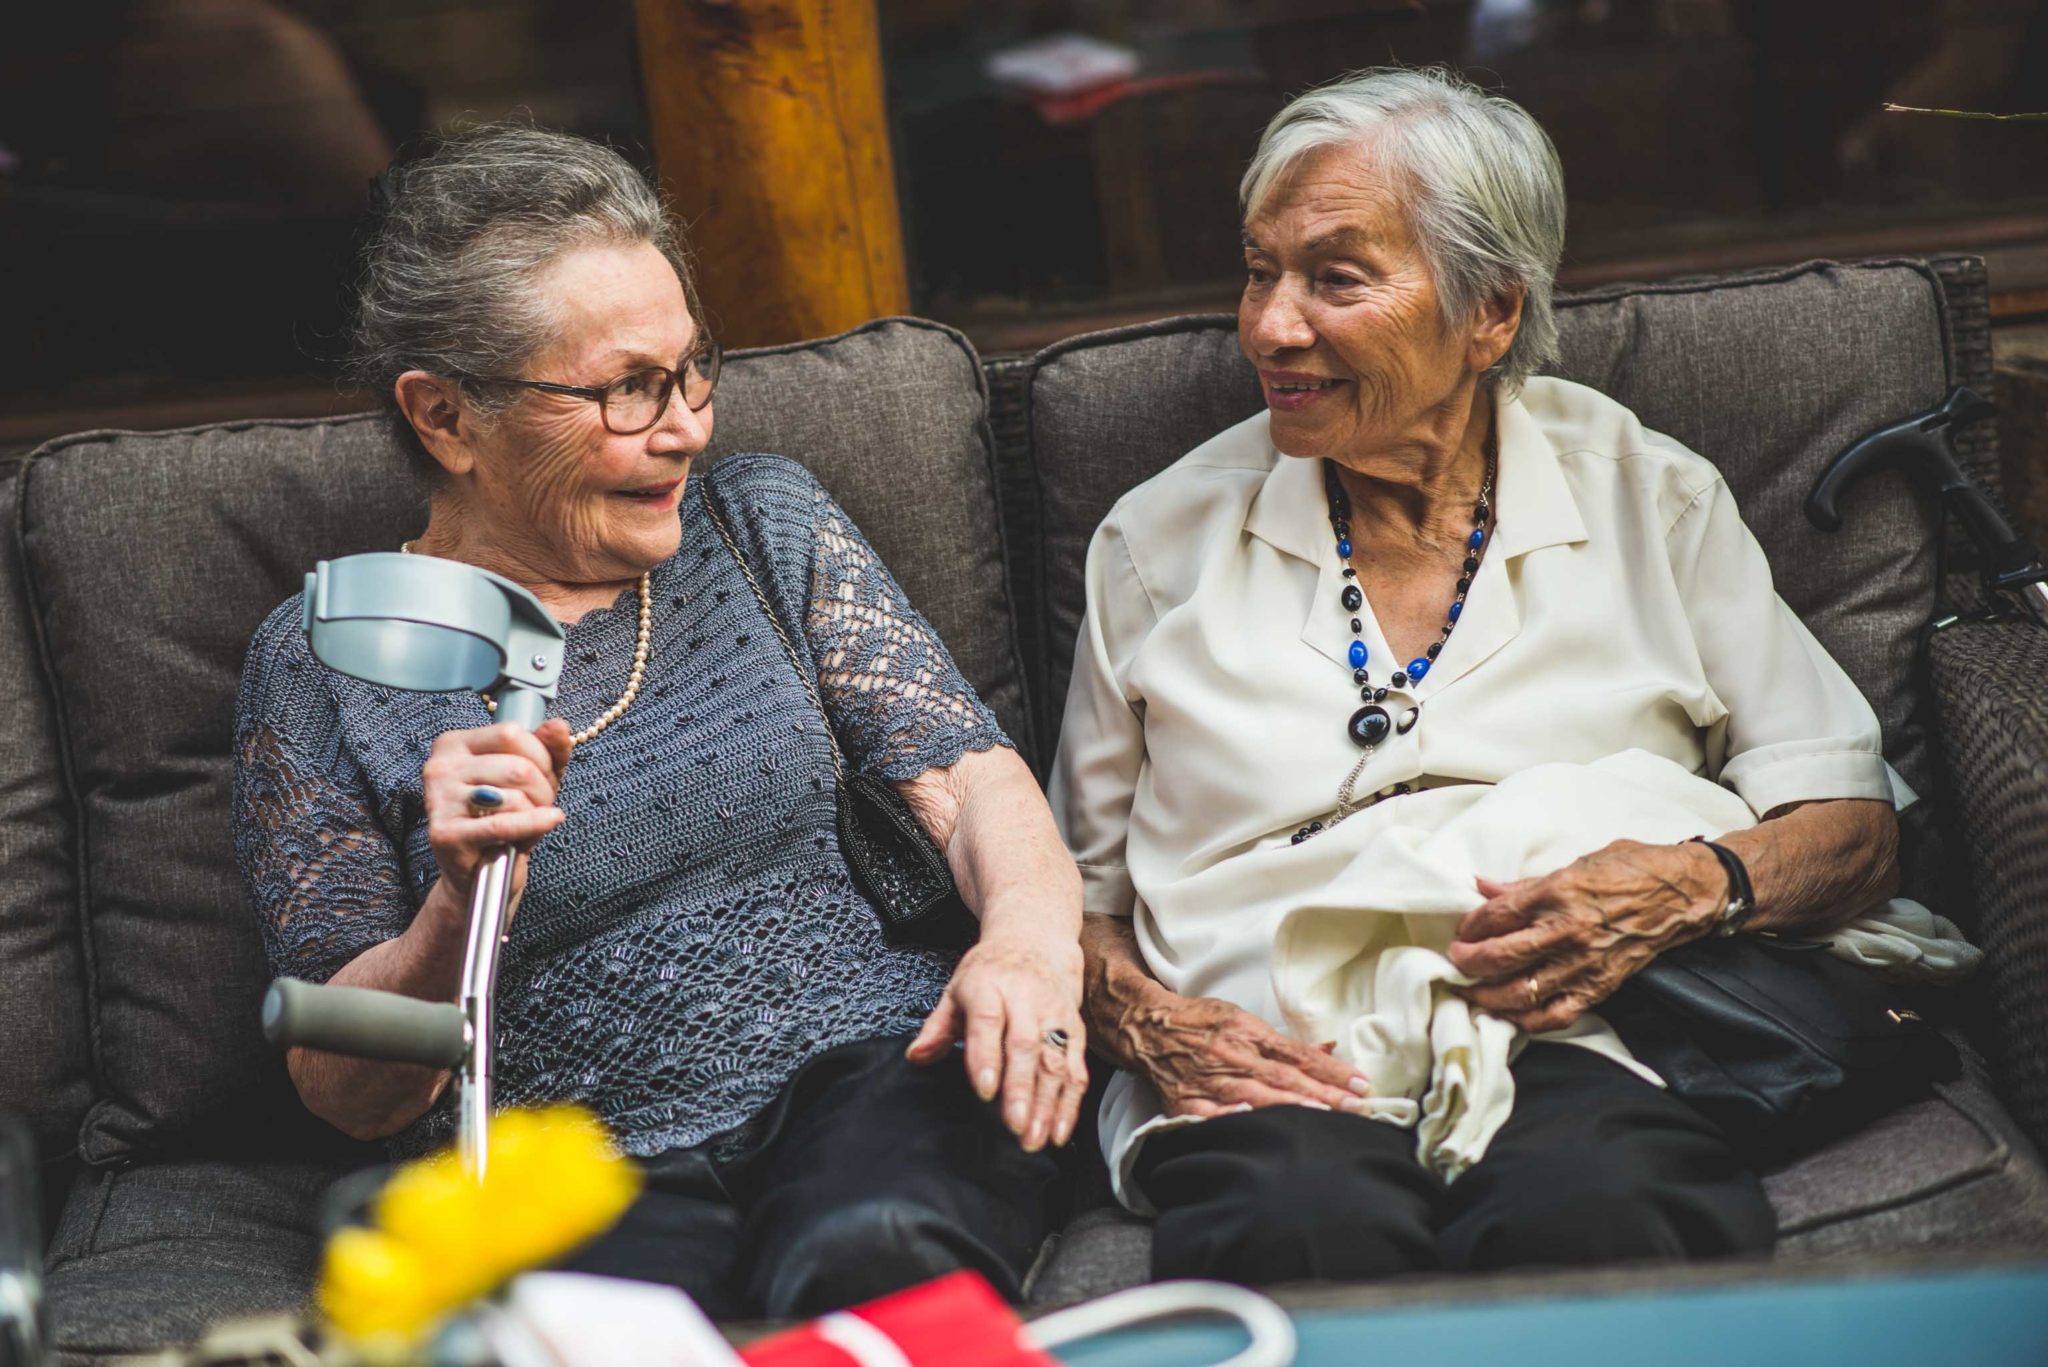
<point x="1336" y="286"/>
<point x="1583" y="930"/>
<point x="1203" y="1055"/>
<point x="540" y="492"/>
<point x="1549" y="949"/>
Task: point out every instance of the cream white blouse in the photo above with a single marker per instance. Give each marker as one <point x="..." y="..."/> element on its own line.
<point x="1621" y="606"/>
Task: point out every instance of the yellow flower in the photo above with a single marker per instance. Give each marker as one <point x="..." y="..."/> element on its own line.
<point x="437" y="1210"/>
<point x="552" y="1184"/>
<point x="442" y="1239"/>
<point x="378" y="1293"/>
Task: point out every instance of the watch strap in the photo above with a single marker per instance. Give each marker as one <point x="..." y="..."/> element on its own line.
<point x="1741" y="903"/>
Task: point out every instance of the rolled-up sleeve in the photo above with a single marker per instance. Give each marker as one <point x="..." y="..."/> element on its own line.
<point x="1101" y="754"/>
<point x="1798" y="729"/>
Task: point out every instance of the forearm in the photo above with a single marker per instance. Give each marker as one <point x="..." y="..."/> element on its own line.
<point x="364" y="1098"/>
<point x="1006" y="855"/>
<point x="1118" y="990"/>
<point x="1819" y="865"/>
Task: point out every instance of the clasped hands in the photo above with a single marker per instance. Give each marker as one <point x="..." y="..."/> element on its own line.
<point x="1576" y="934"/>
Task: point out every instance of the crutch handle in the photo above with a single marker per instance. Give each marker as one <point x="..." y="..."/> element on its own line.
<point x="364" y="1023"/>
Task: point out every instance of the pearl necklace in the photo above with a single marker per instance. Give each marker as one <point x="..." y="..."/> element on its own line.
<point x="617" y="709"/>
<point x="1370" y="724"/>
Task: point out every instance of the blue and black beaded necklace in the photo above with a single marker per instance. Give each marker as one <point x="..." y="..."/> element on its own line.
<point x="1371" y="723"/>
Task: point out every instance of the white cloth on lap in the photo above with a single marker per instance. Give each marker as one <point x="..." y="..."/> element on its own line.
<point x="1365" y="966"/>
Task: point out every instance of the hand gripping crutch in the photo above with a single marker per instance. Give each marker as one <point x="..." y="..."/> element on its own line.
<point x="419" y="623"/>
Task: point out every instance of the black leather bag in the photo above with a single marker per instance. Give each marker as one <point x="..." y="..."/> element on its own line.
<point x="1777" y="1041"/>
<point x="894" y="863"/>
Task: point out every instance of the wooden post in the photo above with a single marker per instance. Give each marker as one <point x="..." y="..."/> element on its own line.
<point x="772" y="137"/>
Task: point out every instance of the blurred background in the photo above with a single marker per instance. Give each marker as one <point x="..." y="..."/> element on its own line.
<point x="182" y="181"/>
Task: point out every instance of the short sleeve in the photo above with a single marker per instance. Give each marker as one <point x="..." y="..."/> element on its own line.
<point x="1102" y="737"/>
<point x="321" y="873"/>
<point x="1798" y="729"/>
<point x="896" y="700"/>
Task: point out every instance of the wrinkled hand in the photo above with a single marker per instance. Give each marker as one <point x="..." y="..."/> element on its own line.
<point x="1207" y="1057"/>
<point x="526" y="766"/>
<point x="1579" y="933"/>
<point x="1005" y="995"/>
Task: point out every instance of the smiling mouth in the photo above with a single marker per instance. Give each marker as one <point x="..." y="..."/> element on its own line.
<point x="1297" y="387"/>
<point x="657" y="494"/>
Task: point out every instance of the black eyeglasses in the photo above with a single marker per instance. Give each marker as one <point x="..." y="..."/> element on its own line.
<point x="636" y="400"/>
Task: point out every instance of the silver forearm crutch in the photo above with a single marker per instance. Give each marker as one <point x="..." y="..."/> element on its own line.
<point x="435" y="626"/>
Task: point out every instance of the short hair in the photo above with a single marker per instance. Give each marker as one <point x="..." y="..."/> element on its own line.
<point x="467" y="224"/>
<point x="1485" y="191"/>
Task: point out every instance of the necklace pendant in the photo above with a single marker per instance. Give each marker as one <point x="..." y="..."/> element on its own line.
<point x="1369" y="726"/>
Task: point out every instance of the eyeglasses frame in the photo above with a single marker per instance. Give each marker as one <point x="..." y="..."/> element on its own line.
<point x="596" y="394"/>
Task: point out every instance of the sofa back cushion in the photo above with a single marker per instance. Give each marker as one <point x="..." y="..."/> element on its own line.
<point x="151" y="558"/>
<point x="1768" y="374"/>
<point x="45" y="1060"/>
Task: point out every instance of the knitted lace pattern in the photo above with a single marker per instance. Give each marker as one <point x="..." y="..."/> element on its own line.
<point x="690" y="936"/>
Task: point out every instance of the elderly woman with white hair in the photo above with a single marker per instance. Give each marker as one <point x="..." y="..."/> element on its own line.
<point x="1409" y="719"/>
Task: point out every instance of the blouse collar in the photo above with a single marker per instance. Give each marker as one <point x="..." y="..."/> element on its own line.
<point x="1534" y="503"/>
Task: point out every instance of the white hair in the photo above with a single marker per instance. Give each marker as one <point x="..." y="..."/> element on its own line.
<point x="1485" y="192"/>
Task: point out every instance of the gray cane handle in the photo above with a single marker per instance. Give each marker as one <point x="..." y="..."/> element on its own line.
<point x="364" y="1023"/>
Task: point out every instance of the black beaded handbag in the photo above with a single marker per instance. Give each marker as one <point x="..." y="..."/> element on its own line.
<point x="894" y="863"/>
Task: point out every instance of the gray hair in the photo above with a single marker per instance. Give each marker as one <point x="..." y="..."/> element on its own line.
<point x="1485" y="190"/>
<point x="468" y="225"/>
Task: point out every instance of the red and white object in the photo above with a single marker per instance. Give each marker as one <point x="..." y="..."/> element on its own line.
<point x="566" y="1319"/>
<point x="957" y="1320"/>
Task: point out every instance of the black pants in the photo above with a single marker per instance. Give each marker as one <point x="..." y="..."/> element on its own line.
<point x="1594" y="1166"/>
<point x="871" y="1174"/>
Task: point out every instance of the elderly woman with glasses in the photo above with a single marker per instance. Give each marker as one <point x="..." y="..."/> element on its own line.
<point x="691" y="956"/>
<point x="1397" y="713"/>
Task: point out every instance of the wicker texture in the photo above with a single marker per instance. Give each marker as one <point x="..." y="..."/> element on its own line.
<point x="1989" y="680"/>
<point x="1966" y="286"/>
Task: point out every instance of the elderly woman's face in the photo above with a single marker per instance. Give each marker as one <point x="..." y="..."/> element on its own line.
<point x="1340" y="314"/>
<point x="570" y="494"/>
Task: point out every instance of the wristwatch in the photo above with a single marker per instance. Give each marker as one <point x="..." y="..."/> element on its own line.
<point x="1741" y="897"/>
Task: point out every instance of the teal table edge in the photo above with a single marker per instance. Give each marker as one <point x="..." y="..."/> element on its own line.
<point x="1986" y="1318"/>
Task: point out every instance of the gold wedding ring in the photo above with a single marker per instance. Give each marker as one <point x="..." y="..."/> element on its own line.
<point x="1535" y="993"/>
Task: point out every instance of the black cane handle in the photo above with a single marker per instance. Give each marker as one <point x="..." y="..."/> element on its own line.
<point x="1923" y="446"/>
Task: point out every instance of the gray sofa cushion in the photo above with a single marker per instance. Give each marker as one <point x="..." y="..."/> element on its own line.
<point x="1740" y="368"/>
<point x="151" y="558"/>
<point x="1947" y="1174"/>
<point x="45" y="1062"/>
<point x="1953" y="1173"/>
<point x="1108" y="411"/>
<point x="158" y="1253"/>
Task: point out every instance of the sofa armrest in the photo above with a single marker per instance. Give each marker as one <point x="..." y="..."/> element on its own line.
<point x="1991" y="691"/>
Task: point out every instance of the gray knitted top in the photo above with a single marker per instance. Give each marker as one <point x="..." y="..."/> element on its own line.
<point x="690" y="935"/>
